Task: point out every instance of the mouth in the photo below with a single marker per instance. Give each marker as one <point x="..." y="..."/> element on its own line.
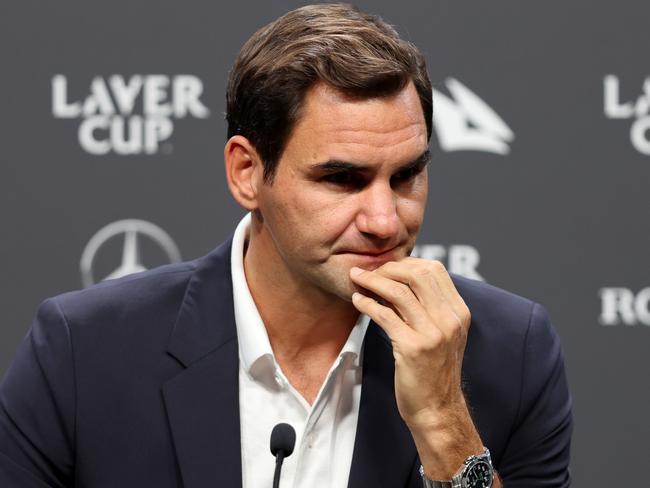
<point x="372" y="253"/>
<point x="374" y="256"/>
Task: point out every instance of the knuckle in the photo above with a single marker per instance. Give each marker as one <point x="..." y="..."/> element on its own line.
<point x="456" y="332"/>
<point x="426" y="347"/>
<point x="425" y="272"/>
<point x="385" y="315"/>
<point x="452" y="321"/>
<point x="400" y="291"/>
<point x="465" y="314"/>
<point x="462" y="312"/>
<point x="436" y="266"/>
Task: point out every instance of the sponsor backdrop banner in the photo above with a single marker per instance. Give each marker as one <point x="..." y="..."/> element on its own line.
<point x="112" y="134"/>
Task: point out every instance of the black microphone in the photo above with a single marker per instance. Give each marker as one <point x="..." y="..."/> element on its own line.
<point x="283" y="438"/>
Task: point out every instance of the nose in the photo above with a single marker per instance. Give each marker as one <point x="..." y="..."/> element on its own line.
<point x="377" y="214"/>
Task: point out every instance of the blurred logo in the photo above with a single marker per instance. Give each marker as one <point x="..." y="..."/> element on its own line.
<point x="460" y="259"/>
<point x="131" y="116"/>
<point x="117" y="250"/>
<point x="638" y="110"/>
<point x="464" y="122"/>
<point x="621" y="306"/>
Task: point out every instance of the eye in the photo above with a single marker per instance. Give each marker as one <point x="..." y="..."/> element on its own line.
<point x="405" y="175"/>
<point x="344" y="179"/>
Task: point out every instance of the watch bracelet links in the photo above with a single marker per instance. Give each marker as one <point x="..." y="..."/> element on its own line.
<point x="427" y="483"/>
<point x="453" y="483"/>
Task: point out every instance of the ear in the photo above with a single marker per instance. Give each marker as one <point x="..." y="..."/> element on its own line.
<point x="244" y="171"/>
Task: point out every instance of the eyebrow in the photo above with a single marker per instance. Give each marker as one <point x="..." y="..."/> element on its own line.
<point x="334" y="165"/>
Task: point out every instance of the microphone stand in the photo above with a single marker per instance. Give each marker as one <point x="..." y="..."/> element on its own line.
<point x="279" y="459"/>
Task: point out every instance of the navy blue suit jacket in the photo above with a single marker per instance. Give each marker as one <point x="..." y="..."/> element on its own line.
<point x="134" y="383"/>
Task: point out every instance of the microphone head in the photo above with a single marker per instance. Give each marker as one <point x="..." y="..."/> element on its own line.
<point x="283" y="438"/>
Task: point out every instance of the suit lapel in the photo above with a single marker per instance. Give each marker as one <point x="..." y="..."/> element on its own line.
<point x="384" y="453"/>
<point x="202" y="402"/>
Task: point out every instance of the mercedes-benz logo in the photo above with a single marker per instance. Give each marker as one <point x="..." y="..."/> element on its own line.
<point x="131" y="261"/>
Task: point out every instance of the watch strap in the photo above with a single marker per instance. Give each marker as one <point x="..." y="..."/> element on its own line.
<point x="456" y="481"/>
<point x="427" y="483"/>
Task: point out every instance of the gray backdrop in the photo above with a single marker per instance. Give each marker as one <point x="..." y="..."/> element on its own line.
<point x="541" y="159"/>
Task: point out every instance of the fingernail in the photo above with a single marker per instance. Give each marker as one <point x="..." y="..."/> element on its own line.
<point x="354" y="271"/>
<point x="356" y="295"/>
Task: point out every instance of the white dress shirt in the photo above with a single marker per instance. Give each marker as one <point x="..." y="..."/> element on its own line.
<point x="325" y="430"/>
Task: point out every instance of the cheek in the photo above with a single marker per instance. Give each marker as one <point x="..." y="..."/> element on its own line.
<point x="415" y="203"/>
<point x="323" y="211"/>
<point x="411" y="212"/>
<point x="309" y="219"/>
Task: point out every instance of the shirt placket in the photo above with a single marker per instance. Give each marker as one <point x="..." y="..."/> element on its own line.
<point x="312" y="469"/>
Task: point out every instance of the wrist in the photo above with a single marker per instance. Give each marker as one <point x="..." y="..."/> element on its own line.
<point x="476" y="470"/>
<point x="439" y="415"/>
<point x="444" y="441"/>
<point x="441" y="460"/>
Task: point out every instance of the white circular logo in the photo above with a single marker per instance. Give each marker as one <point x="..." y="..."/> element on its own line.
<point x="131" y="262"/>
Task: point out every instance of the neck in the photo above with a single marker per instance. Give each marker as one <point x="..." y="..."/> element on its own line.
<point x="299" y="317"/>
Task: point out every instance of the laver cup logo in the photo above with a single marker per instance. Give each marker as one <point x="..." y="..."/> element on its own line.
<point x="128" y="116"/>
<point x="638" y="109"/>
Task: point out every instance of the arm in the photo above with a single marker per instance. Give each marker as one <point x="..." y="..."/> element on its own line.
<point x="427" y="322"/>
<point x="538" y="451"/>
<point x="37" y="404"/>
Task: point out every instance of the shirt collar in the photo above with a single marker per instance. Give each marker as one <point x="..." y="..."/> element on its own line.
<point x="251" y="333"/>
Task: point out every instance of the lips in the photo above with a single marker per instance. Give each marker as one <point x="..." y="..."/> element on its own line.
<point x="373" y="256"/>
<point x="372" y="253"/>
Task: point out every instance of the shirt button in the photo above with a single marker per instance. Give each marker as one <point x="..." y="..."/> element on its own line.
<point x="279" y="380"/>
<point x="311" y="439"/>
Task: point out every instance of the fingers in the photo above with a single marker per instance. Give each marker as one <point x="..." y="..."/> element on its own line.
<point x="421" y="291"/>
<point x="397" y="294"/>
<point x="382" y="315"/>
<point x="449" y="290"/>
<point x="420" y="280"/>
<point x="431" y="282"/>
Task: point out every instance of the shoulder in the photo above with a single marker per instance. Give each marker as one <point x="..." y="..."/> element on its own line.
<point x="488" y="304"/>
<point x="504" y="322"/>
<point x="145" y="301"/>
<point x="505" y="315"/>
<point x="137" y="293"/>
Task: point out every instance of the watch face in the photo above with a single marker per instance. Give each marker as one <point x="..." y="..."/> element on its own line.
<point x="478" y="475"/>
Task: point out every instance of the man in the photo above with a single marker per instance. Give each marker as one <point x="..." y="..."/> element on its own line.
<point x="392" y="372"/>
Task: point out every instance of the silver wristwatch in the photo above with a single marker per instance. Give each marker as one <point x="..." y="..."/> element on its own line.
<point x="476" y="472"/>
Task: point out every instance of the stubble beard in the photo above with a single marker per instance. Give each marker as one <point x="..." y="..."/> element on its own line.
<point x="334" y="283"/>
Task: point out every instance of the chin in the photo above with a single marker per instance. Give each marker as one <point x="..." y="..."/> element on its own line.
<point x="345" y="292"/>
<point x="341" y="286"/>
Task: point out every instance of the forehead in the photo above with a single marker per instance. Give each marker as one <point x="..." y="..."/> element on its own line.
<point x="332" y="124"/>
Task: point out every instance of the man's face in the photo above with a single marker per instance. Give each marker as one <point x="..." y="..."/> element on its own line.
<point x="350" y="189"/>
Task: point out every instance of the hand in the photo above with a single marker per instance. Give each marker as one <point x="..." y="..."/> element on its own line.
<point x="427" y="322"/>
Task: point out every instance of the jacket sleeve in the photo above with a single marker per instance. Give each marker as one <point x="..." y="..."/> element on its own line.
<point x="37" y="407"/>
<point x="537" y="454"/>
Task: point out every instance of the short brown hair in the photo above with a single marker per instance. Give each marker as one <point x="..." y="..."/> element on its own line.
<point x="355" y="52"/>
